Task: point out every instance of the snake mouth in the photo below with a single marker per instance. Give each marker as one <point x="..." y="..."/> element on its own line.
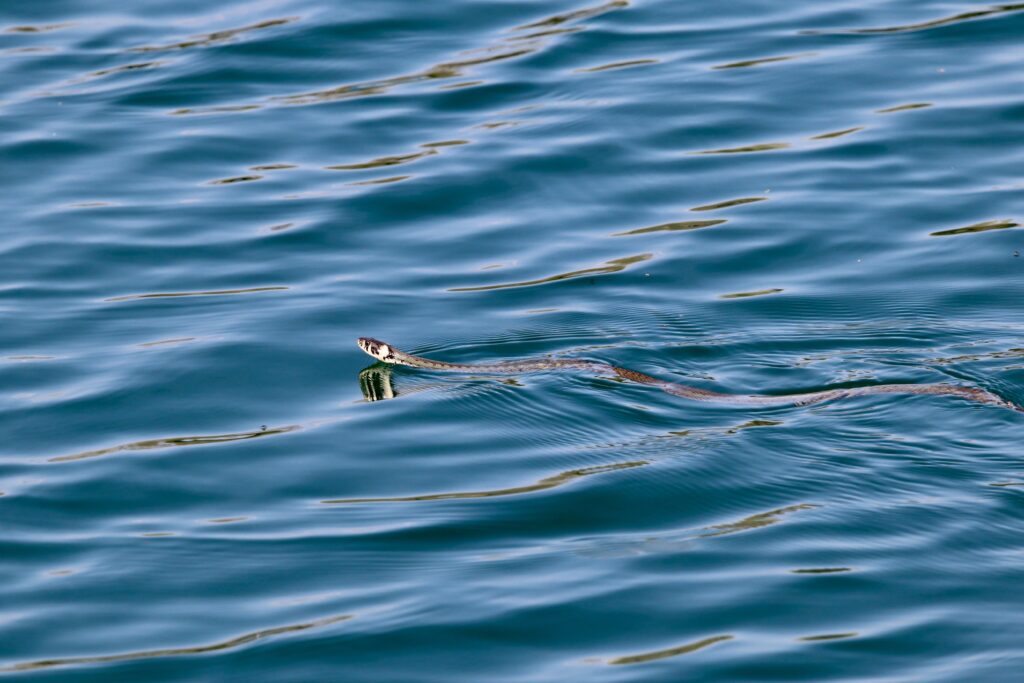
<point x="376" y="348"/>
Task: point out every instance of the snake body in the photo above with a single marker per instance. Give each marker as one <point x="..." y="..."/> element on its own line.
<point x="389" y="354"/>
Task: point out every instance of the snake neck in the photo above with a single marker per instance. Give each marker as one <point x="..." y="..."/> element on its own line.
<point x="402" y="358"/>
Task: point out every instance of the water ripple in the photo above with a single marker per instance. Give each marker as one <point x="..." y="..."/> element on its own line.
<point x="176" y="441"/>
<point x="613" y="266"/>
<point x="677" y="226"/>
<point x="176" y="651"/>
<point x="904" y="107"/>
<point x="747" y="149"/>
<point x="729" y="203"/>
<point x="444" y="70"/>
<point x="545" y="483"/>
<point x="670" y="652"/>
<point x="216" y="37"/>
<point x="617" y="65"/>
<point x="744" y="295"/>
<point x="575" y="15"/>
<point x="837" y="133"/>
<point x="382" y="161"/>
<point x="936" y="23"/>
<point x="212" y="292"/>
<point x="763" y="60"/>
<point x="361" y="172"/>
<point x="38" y="28"/>
<point x="984" y="226"/>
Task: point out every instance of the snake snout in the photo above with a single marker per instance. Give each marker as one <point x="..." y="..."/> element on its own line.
<point x="374" y="347"/>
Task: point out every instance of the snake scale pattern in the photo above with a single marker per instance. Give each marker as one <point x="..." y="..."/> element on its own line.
<point x="389" y="354"/>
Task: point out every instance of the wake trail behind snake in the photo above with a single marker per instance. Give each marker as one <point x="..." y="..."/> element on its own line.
<point x="389" y="354"/>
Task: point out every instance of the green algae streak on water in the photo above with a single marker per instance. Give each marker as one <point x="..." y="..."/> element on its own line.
<point x="202" y="478"/>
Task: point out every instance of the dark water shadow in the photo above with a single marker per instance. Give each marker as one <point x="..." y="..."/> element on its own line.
<point x="670" y="652"/>
<point x="739" y="201"/>
<point x="212" y="292"/>
<point x="216" y="37"/>
<point x="904" y="107"/>
<point x="177" y="651"/>
<point x="764" y="60"/>
<point x="747" y="149"/>
<point x="985" y="226"/>
<point x="829" y="636"/>
<point x="613" y="266"/>
<point x="746" y="295"/>
<point x="381" y="162"/>
<point x="543" y="484"/>
<point x="673" y="227"/>
<point x="925" y="25"/>
<point x="837" y="133"/>
<point x="39" y="28"/>
<point x="575" y="15"/>
<point x="176" y="441"/>
<point x="616" y="65"/>
<point x="235" y="179"/>
<point x="511" y="47"/>
<point x="761" y="519"/>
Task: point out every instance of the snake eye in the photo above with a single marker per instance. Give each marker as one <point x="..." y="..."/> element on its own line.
<point x="368" y="345"/>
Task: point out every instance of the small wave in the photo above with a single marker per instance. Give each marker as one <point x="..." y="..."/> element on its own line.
<point x="748" y="149"/>
<point x="212" y="292"/>
<point x="508" y="48"/>
<point x="546" y="483"/>
<point x="904" y="107"/>
<point x="761" y="519"/>
<point x="236" y="179"/>
<point x="176" y="651"/>
<point x="617" y="65"/>
<point x="763" y="60"/>
<point x="829" y="636"/>
<point x="216" y="37"/>
<point x="176" y="441"/>
<point x="221" y="109"/>
<point x="382" y="161"/>
<point x="383" y="181"/>
<point x="671" y="227"/>
<point x="744" y="295"/>
<point x="444" y="143"/>
<point x="729" y="203"/>
<point x="933" y="23"/>
<point x="613" y="266"/>
<point x="837" y="133"/>
<point x="670" y="652"/>
<point x="168" y="342"/>
<point x="38" y="28"/>
<point x="985" y="226"/>
<point x="576" y="15"/>
<point x="273" y="167"/>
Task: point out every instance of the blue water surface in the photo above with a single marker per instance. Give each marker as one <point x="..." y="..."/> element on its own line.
<point x="202" y="478"/>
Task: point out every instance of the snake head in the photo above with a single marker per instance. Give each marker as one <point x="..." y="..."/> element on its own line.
<point x="377" y="349"/>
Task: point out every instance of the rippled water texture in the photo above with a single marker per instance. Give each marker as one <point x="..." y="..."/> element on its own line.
<point x="202" y="478"/>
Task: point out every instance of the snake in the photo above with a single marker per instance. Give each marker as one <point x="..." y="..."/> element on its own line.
<point x="386" y="353"/>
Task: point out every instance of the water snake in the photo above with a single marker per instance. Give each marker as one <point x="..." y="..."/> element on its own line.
<point x="389" y="354"/>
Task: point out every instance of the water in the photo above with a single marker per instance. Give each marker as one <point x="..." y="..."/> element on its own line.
<point x="204" y="205"/>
